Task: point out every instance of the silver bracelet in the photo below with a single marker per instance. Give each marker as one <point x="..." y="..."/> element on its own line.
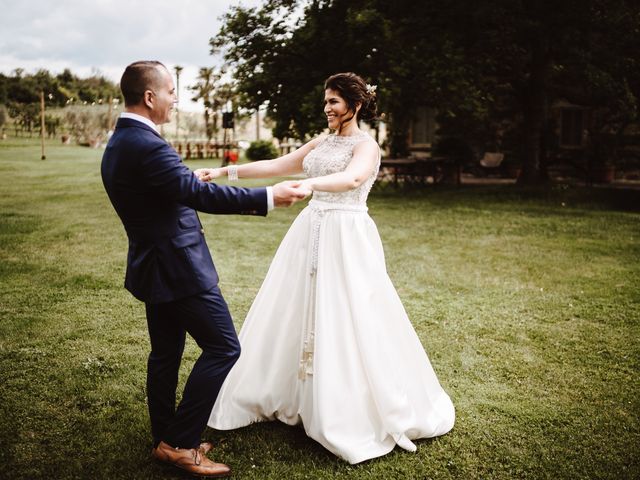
<point x="232" y="173"/>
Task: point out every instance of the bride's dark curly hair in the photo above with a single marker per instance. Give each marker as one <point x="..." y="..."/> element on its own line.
<point x="353" y="89"/>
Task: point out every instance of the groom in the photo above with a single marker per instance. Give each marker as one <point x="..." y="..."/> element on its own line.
<point x="169" y="266"/>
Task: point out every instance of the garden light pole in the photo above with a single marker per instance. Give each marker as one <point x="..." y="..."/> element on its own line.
<point x="178" y="69"/>
<point x="42" y="123"/>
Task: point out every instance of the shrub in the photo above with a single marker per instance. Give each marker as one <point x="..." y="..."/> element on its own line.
<point x="261" y="150"/>
<point x="88" y="126"/>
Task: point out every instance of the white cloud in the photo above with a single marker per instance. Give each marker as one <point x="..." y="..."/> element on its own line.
<point x="106" y="35"/>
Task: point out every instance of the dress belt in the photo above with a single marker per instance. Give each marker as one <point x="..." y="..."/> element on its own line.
<point x="320" y="205"/>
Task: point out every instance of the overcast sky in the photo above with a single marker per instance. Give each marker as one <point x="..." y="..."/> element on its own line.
<point x="106" y="35"/>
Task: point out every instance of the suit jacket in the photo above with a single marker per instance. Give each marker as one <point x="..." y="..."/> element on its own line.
<point x="156" y="197"/>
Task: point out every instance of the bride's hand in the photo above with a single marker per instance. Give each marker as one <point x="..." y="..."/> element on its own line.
<point x="306" y="186"/>
<point x="207" y="174"/>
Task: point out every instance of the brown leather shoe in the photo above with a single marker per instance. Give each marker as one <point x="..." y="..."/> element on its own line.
<point x="191" y="460"/>
<point x="205" y="447"/>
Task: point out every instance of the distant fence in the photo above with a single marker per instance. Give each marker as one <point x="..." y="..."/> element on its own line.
<point x="288" y="147"/>
<point x="202" y="149"/>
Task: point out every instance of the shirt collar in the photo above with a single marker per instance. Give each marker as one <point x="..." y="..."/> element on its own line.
<point x="139" y="118"/>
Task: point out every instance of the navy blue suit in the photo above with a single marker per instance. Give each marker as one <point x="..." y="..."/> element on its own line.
<point x="169" y="267"/>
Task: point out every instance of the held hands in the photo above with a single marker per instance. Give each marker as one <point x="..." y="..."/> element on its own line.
<point x="289" y="192"/>
<point x="307" y="184"/>
<point x="285" y="193"/>
<point x="208" y="174"/>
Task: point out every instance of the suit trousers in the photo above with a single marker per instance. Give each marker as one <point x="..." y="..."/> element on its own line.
<point x="205" y="316"/>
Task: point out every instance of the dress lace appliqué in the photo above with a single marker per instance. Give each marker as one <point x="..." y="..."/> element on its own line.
<point x="333" y="155"/>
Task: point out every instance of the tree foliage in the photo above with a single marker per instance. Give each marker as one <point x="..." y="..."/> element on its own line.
<point x="59" y="89"/>
<point x="284" y="63"/>
<point x="487" y="67"/>
<point x="20" y="92"/>
<point x="215" y="92"/>
<point x="531" y="53"/>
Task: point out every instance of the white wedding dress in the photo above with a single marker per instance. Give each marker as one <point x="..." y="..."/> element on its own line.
<point x="327" y="341"/>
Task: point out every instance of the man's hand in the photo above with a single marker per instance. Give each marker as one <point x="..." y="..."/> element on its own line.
<point x="208" y="174"/>
<point x="287" y="193"/>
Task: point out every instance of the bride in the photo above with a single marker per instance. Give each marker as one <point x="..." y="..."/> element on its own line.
<point x="327" y="341"/>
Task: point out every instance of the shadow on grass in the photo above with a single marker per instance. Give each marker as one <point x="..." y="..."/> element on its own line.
<point x="562" y="195"/>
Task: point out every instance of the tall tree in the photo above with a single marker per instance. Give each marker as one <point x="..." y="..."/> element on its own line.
<point x="480" y="65"/>
<point x="204" y="90"/>
<point x="215" y="93"/>
<point x="283" y="63"/>
<point x="529" y="53"/>
<point x="24" y="88"/>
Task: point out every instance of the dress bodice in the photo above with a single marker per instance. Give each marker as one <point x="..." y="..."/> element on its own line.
<point x="332" y="155"/>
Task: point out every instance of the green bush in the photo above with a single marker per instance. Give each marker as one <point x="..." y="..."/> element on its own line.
<point x="261" y="150"/>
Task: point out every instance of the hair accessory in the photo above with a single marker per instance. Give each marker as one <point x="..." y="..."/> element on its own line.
<point x="371" y="89"/>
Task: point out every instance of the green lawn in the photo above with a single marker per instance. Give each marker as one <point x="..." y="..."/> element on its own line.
<point x="527" y="302"/>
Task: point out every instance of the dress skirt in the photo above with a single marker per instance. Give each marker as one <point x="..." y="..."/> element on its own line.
<point x="327" y="343"/>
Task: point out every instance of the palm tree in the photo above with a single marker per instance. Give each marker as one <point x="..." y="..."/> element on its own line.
<point x="205" y="89"/>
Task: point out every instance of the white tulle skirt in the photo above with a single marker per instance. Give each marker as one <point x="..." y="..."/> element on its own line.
<point x="327" y="343"/>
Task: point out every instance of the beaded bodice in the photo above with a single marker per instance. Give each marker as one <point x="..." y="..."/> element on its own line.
<point x="332" y="155"/>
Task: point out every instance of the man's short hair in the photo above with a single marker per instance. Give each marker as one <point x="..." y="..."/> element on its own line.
<point x="137" y="78"/>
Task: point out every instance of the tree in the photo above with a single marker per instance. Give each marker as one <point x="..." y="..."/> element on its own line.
<point x="272" y="68"/>
<point x="489" y="66"/>
<point x="60" y="89"/>
<point x="4" y="116"/>
<point x="21" y="94"/>
<point x="529" y="53"/>
<point x="26" y="116"/>
<point x="87" y="126"/>
<point x="283" y="64"/>
<point x="205" y="90"/>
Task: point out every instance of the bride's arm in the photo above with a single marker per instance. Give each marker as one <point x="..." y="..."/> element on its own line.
<point x="289" y="164"/>
<point x="364" y="160"/>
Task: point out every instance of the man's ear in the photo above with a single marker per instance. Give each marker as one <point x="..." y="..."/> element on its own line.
<point x="148" y="98"/>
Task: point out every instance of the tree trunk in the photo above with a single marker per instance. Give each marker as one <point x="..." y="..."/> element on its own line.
<point x="258" y="123"/>
<point x="399" y="127"/>
<point x="534" y="111"/>
<point x="207" y="130"/>
<point x="214" y="128"/>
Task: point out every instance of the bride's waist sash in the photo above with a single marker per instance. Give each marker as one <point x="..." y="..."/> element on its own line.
<point x="320" y="206"/>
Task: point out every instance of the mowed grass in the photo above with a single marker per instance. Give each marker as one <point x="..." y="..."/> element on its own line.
<point x="527" y="302"/>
